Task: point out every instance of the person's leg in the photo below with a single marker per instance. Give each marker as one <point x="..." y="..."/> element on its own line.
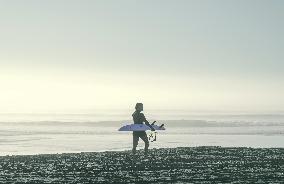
<point x="145" y="139"/>
<point x="135" y="142"/>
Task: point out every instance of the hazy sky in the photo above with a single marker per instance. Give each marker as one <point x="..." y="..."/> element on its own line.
<point x="194" y="55"/>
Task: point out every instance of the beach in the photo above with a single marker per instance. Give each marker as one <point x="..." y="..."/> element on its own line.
<point x="164" y="165"/>
<point x="201" y="80"/>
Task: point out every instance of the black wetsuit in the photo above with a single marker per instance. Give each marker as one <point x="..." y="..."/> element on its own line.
<point x="139" y="118"/>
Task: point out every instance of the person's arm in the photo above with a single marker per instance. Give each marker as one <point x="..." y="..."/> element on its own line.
<point x="147" y="123"/>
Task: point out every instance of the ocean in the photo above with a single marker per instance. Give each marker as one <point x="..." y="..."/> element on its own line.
<point x="44" y="133"/>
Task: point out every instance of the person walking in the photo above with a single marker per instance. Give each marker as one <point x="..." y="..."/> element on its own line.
<point x="139" y="118"/>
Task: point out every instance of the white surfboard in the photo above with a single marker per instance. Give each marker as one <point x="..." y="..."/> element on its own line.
<point x="140" y="127"/>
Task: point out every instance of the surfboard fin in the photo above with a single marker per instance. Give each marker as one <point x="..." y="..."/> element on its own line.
<point x="153" y="122"/>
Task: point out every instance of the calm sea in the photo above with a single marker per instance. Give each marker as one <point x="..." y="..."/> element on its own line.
<point x="35" y="133"/>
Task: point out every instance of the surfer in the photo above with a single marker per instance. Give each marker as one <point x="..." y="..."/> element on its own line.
<point x="139" y="118"/>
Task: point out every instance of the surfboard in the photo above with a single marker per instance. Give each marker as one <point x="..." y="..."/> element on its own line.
<point x="140" y="127"/>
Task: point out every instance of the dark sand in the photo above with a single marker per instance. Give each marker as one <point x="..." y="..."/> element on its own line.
<point x="176" y="165"/>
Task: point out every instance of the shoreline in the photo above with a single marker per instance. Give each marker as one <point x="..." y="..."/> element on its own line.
<point x="164" y="165"/>
<point x="139" y="148"/>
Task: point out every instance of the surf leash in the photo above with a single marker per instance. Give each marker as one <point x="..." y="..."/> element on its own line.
<point x="153" y="136"/>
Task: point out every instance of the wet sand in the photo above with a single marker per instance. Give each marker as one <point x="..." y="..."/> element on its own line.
<point x="167" y="165"/>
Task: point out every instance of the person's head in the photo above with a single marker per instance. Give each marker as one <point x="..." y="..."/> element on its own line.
<point x="139" y="107"/>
